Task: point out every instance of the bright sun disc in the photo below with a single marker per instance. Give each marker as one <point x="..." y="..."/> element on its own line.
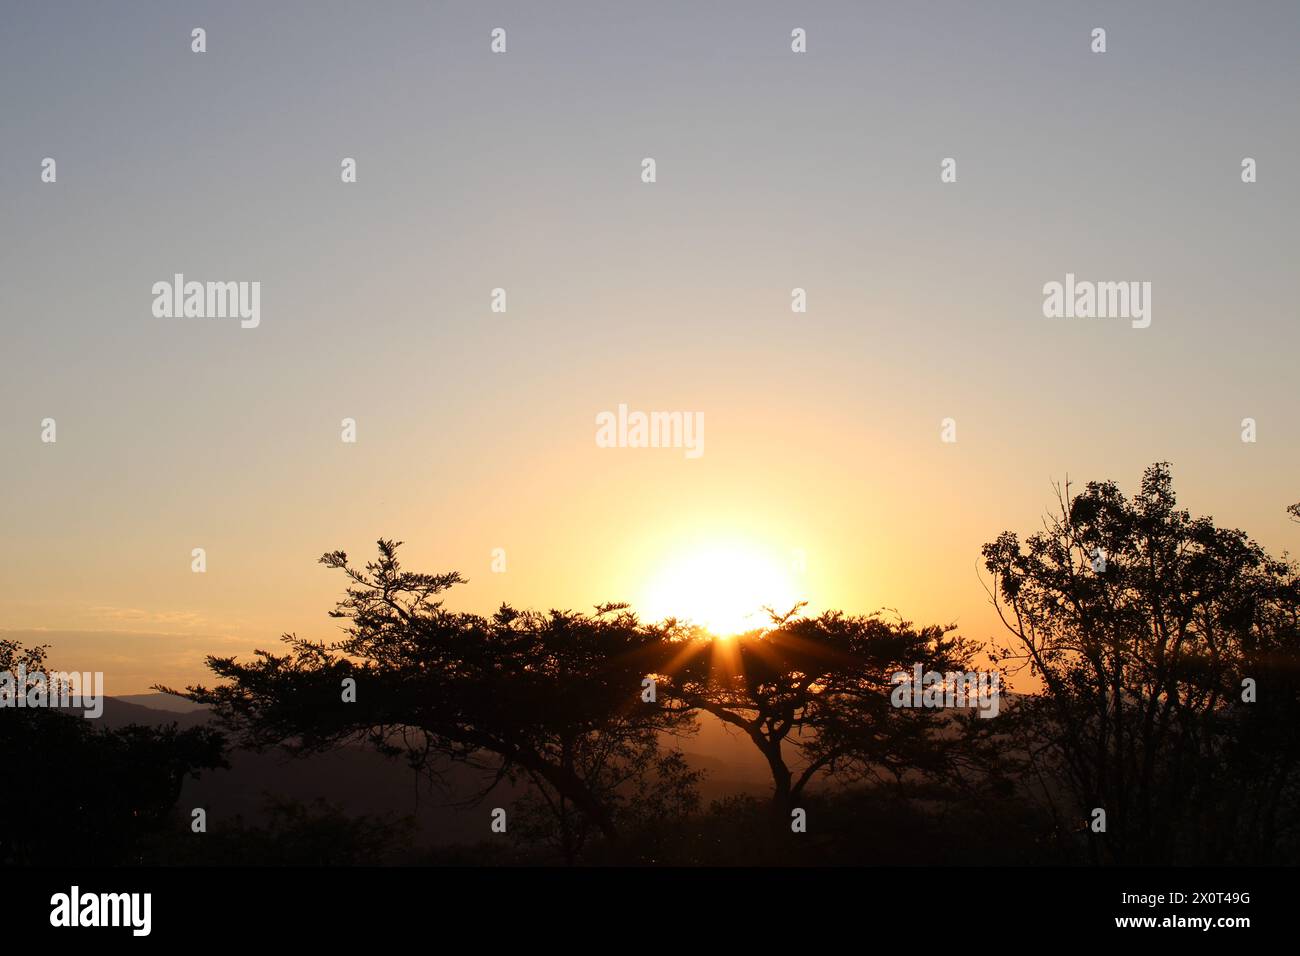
<point x="723" y="589"/>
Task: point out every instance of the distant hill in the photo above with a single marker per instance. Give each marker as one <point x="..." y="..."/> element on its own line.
<point x="120" y="711"/>
<point x="167" y="702"/>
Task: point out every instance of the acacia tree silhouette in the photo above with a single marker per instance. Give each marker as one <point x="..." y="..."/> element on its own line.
<point x="1143" y="623"/>
<point x="813" y="694"/>
<point x="553" y="699"/>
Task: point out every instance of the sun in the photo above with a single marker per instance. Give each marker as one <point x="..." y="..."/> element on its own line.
<point x="723" y="589"/>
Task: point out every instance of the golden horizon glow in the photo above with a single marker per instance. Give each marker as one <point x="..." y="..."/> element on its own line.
<point x="722" y="588"/>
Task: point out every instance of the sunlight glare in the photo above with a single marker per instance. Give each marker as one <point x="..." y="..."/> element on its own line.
<point x="721" y="589"/>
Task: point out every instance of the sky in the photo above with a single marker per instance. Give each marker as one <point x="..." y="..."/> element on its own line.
<point x="823" y="477"/>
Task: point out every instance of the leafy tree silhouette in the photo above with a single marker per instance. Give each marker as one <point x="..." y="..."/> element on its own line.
<point x="813" y="694"/>
<point x="551" y="699"/>
<point x="1142" y="657"/>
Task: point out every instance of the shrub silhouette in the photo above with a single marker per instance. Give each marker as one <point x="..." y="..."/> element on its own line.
<point x="88" y="794"/>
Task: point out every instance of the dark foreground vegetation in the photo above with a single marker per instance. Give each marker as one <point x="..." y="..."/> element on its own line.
<point x="1166" y="727"/>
